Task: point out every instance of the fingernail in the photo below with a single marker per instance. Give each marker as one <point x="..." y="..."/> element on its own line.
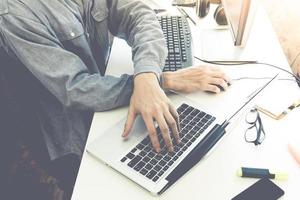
<point x="158" y="150"/>
<point x="171" y="149"/>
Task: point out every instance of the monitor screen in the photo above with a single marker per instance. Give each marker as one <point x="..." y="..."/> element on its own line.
<point x="239" y="15"/>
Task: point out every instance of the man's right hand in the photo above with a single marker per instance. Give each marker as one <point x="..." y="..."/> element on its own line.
<point x="149" y="100"/>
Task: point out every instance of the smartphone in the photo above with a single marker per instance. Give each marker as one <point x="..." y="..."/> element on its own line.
<point x="264" y="189"/>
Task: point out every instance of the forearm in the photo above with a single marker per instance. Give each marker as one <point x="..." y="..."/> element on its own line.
<point x="138" y="25"/>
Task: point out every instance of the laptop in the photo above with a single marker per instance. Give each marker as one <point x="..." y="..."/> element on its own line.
<point x="135" y="157"/>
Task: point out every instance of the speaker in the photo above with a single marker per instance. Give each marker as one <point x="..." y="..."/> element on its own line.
<point x="202" y="9"/>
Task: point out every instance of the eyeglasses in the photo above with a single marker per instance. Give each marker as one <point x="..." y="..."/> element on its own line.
<point x="255" y="133"/>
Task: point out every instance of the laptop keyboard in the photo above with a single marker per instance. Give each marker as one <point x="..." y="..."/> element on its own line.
<point x="143" y="158"/>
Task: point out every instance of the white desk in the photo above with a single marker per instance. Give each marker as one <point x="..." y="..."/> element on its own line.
<point x="214" y="177"/>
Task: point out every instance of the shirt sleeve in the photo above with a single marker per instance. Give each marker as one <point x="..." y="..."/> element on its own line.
<point x="62" y="72"/>
<point x="137" y="24"/>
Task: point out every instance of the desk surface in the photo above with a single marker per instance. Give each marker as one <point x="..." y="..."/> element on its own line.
<point x="214" y="177"/>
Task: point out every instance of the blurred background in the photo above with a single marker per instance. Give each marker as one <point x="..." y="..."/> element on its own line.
<point x="285" y="17"/>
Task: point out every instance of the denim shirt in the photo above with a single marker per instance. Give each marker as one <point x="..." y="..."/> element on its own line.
<point x="64" y="46"/>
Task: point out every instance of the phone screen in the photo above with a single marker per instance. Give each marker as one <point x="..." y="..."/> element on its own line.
<point x="264" y="189"/>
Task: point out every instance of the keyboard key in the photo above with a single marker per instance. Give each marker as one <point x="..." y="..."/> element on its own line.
<point x="146" y="159"/>
<point x="160" y="173"/>
<point x="162" y="163"/>
<point x="157" y="168"/>
<point x="145" y="141"/>
<point x="123" y="159"/>
<point x="147" y="148"/>
<point x="167" y="158"/>
<point x="142" y="153"/>
<point x="137" y="168"/>
<point x="148" y="166"/>
<point x="184" y="140"/>
<point x="151" y="154"/>
<point x="130" y="155"/>
<point x="189" y="144"/>
<point x="133" y="150"/>
<point x="140" y="146"/>
<point x="151" y="174"/>
<point x="158" y="157"/>
<point x="141" y="164"/>
<point x="171" y="162"/>
<point x="179" y="153"/>
<point x="166" y="168"/>
<point x="175" y="158"/>
<point x="144" y="171"/>
<point x="155" y="178"/>
<point x="153" y="161"/>
<point x="134" y="161"/>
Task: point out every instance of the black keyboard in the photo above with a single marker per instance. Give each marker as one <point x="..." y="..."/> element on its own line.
<point x="143" y="158"/>
<point x="179" y="40"/>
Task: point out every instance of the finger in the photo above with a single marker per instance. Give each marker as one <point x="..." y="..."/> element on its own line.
<point x="212" y="88"/>
<point x="175" y="116"/>
<point x="220" y="82"/>
<point x="163" y="126"/>
<point x="152" y="132"/>
<point x="129" y="122"/>
<point x="217" y="73"/>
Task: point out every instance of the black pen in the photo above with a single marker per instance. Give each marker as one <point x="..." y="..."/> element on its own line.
<point x="182" y="11"/>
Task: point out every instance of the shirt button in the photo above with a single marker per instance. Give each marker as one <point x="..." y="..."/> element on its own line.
<point x="72" y="34"/>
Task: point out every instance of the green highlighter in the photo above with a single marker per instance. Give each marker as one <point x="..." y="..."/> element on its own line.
<point x="261" y="173"/>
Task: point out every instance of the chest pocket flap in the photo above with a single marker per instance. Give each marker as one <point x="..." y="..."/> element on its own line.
<point x="66" y="24"/>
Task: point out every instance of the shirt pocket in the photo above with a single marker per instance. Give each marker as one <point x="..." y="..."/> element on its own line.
<point x="68" y="29"/>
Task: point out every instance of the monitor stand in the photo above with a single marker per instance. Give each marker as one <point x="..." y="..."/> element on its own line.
<point x="218" y="45"/>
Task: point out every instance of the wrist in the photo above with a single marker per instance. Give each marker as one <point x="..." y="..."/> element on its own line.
<point x="166" y="80"/>
<point x="146" y="77"/>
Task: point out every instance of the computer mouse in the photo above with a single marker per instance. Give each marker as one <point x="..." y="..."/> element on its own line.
<point x="298" y="78"/>
<point x="220" y="87"/>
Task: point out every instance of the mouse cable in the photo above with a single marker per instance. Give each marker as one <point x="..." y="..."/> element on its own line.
<point x="248" y="63"/>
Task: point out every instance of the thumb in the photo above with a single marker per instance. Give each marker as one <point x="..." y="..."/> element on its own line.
<point x="129" y="122"/>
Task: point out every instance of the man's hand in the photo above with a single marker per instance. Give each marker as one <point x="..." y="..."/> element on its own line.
<point x="205" y="78"/>
<point x="149" y="100"/>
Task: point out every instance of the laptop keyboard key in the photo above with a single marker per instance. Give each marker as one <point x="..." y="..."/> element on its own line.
<point x="134" y="161"/>
<point x="153" y="161"/>
<point x="142" y="153"/>
<point x="130" y="155"/>
<point x="157" y="168"/>
<point x="146" y="159"/>
<point x="123" y="159"/>
<point x="155" y="178"/>
<point x="144" y="171"/>
<point x="170" y="162"/>
<point x="148" y="166"/>
<point x="140" y="146"/>
<point x="162" y="163"/>
<point x="151" y="174"/>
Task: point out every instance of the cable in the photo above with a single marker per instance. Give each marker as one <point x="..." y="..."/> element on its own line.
<point x="248" y="63"/>
<point x="260" y="78"/>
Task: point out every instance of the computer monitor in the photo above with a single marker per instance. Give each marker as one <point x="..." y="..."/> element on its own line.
<point x="239" y="14"/>
<point x="230" y="43"/>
